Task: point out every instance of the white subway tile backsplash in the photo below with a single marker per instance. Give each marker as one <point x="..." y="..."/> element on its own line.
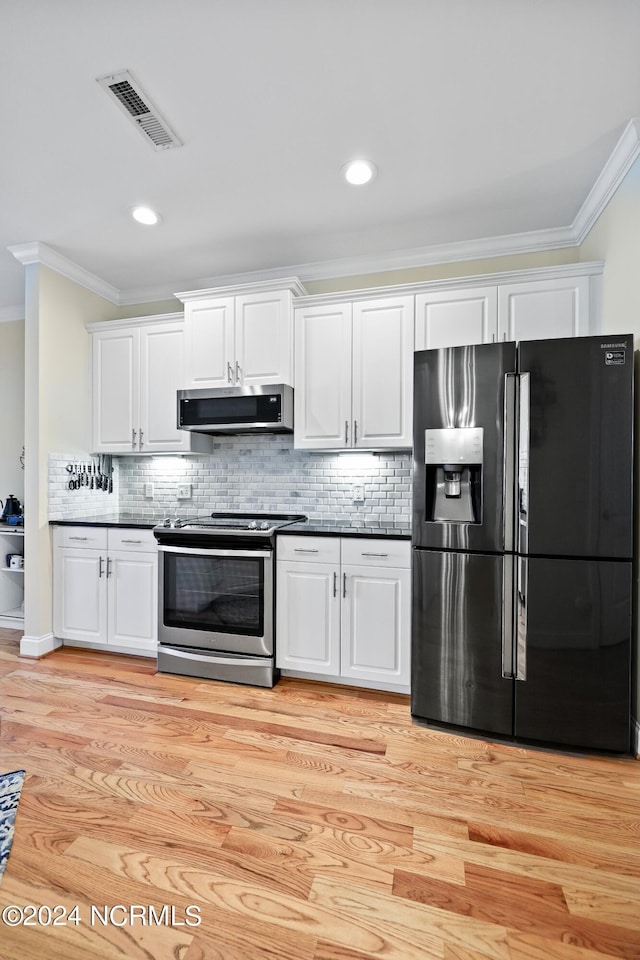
<point x="261" y="473"/>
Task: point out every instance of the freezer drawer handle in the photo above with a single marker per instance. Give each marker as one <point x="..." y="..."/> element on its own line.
<point x="507" y="618"/>
<point x="522" y="625"/>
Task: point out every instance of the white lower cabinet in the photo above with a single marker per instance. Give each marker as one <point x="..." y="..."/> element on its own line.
<point x="105" y="588"/>
<point x="343" y="609"/>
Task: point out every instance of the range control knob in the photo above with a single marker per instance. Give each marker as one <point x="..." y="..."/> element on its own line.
<point x="252" y="525"/>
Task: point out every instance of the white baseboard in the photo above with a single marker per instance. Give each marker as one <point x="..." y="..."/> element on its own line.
<point x="38" y="646"/>
<point x="347" y="681"/>
<point x="635" y="737"/>
<point x="131" y="651"/>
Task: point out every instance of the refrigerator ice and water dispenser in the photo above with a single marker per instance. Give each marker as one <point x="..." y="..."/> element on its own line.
<point x="453" y="457"/>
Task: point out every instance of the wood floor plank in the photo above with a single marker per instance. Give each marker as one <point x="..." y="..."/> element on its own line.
<point x="308" y="822"/>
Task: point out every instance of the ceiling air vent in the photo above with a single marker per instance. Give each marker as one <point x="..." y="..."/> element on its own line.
<point x="137" y="106"/>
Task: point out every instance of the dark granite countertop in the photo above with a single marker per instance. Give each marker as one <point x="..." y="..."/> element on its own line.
<point x="333" y="528"/>
<point x="322" y="528"/>
<point x="111" y="520"/>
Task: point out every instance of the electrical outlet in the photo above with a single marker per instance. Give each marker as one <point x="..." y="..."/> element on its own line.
<point x="148" y="491"/>
<point x="357" y="492"/>
<point x="184" y="491"/>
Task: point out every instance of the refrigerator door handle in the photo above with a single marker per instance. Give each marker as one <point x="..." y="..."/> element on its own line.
<point x="507" y="618"/>
<point x="524" y="396"/>
<point x="508" y="458"/>
<point x="521" y="646"/>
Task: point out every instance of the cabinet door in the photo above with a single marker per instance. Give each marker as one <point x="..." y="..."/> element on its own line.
<point x="544" y="309"/>
<point x="115" y="389"/>
<point x="133" y="599"/>
<point x="308" y="617"/>
<point x="161" y="376"/>
<point x="210" y="353"/>
<point x="456" y="318"/>
<point x="80" y="595"/>
<point x="264" y="338"/>
<point x="376" y="624"/>
<point x="322" y="398"/>
<point x="382" y="390"/>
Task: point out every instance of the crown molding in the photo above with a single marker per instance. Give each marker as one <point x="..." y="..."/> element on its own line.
<point x="238" y="289"/>
<point x="11" y="314"/>
<point x="624" y="154"/>
<point x="617" y="166"/>
<point x="36" y="252"/>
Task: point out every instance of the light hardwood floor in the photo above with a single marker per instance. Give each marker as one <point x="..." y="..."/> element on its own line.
<point x="307" y="822"/>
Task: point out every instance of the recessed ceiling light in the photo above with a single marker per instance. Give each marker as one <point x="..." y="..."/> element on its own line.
<point x="359" y="172"/>
<point x="145" y="215"/>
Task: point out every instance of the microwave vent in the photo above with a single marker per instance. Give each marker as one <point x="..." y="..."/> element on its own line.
<point x="129" y="96"/>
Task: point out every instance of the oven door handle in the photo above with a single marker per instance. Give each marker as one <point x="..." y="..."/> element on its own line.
<point x="212" y="657"/>
<point x="203" y="552"/>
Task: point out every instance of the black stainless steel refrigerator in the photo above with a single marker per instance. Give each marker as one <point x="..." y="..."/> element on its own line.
<point x="522" y="540"/>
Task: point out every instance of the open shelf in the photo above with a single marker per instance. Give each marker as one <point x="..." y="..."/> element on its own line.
<point x="14" y="569"/>
<point x="16" y="613"/>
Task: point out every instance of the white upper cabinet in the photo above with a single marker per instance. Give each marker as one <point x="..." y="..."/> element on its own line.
<point x="525" y="309"/>
<point x="240" y="337"/>
<point x="322" y="398"/>
<point x="544" y="309"/>
<point x="354" y="375"/>
<point x="137" y="369"/>
<point x="456" y="318"/>
<point x="382" y="385"/>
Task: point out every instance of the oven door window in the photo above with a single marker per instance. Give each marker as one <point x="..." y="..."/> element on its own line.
<point x="222" y="594"/>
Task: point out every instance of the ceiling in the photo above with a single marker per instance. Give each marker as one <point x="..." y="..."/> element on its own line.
<point x="485" y="118"/>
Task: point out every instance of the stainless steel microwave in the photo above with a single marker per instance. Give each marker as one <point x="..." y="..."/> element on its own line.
<point x="260" y="409"/>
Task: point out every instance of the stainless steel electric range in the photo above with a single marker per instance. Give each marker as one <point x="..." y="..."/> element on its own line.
<point x="216" y="596"/>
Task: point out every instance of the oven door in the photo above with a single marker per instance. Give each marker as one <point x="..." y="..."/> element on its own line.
<point x="216" y="599"/>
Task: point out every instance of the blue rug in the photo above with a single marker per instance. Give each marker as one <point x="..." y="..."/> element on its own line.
<point x="10" y="788"/>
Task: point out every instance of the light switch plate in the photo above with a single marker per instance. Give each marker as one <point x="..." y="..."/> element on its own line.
<point x="148" y="491"/>
<point x="184" y="491"/>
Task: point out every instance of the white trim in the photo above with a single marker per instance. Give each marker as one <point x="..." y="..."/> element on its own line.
<point x="126" y="323"/>
<point x="36" y="252"/>
<point x="38" y="646"/>
<point x="348" y="681"/>
<point x="11" y="314"/>
<point x="615" y="169"/>
<point x="277" y="282"/>
<point x="150" y="652"/>
<point x="624" y="154"/>
<point x="592" y="268"/>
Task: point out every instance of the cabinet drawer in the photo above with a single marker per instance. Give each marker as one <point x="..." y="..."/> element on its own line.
<point x="314" y="549"/>
<point x="132" y="538"/>
<point x="94" y="538"/>
<point x="376" y="553"/>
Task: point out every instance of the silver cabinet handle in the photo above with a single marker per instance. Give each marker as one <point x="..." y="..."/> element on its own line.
<point x="108" y="567"/>
<point x="346" y="433"/>
<point x="238" y="372"/>
<point x="130" y="541"/>
<point x="100" y="567"/>
<point x="141" y="440"/>
<point x="302" y="550"/>
<point x="335" y="584"/>
<point x="355" y="432"/>
<point x="229" y="372"/>
<point x="133" y="438"/>
<point x="78" y="538"/>
<point x="522" y="508"/>
<point x="522" y="624"/>
<point x="344" y="584"/>
<point x="371" y="554"/>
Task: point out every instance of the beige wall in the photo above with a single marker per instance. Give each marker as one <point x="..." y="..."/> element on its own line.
<point x="57" y="415"/>
<point x="12" y="408"/>
<point x="615" y="238"/>
<point x="445" y="271"/>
